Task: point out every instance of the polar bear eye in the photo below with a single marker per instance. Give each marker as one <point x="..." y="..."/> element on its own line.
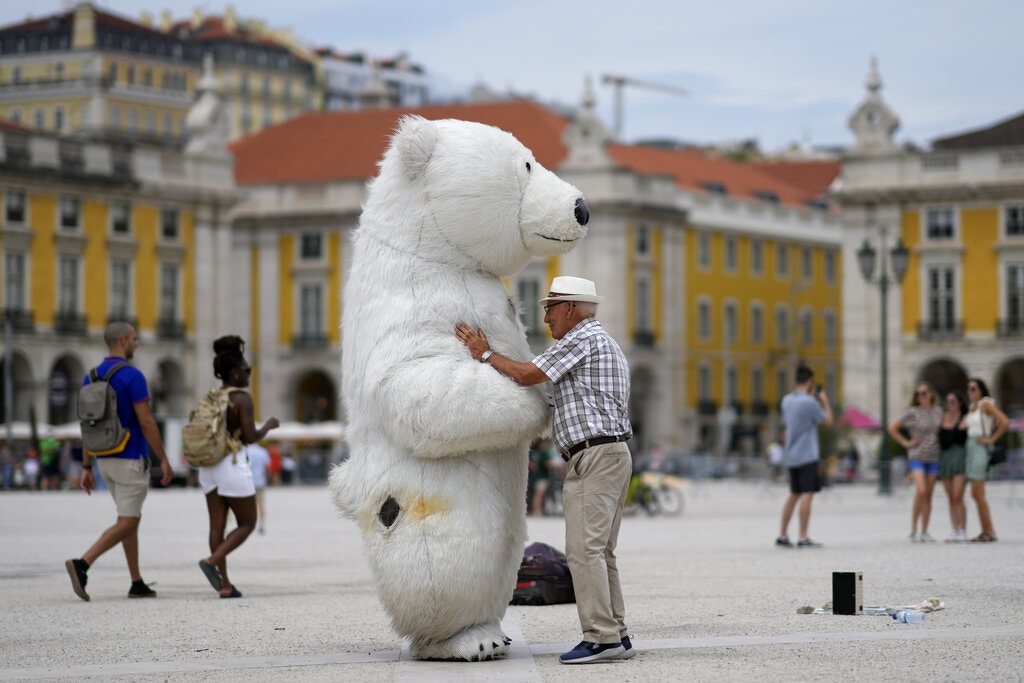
<point x="528" y="168"/>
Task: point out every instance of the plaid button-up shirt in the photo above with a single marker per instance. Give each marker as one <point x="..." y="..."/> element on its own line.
<point x="591" y="378"/>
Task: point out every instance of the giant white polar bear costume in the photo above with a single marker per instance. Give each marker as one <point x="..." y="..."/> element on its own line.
<point x="436" y="477"/>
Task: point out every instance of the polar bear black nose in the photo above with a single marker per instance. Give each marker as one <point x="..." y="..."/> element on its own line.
<point x="582" y="213"/>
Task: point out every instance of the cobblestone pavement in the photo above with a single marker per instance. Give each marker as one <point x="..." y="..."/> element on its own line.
<point x="708" y="596"/>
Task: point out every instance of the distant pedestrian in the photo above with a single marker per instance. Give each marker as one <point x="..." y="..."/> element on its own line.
<point x="953" y="462"/>
<point x="985" y="424"/>
<point x="30" y="470"/>
<point x="803" y="409"/>
<point x="6" y="465"/>
<point x="259" y="463"/>
<point x="126" y="472"/>
<point x="228" y="485"/>
<point x="921" y="422"/>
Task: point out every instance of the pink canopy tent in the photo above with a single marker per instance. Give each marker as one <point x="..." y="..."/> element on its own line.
<point x="855" y="418"/>
<point x="1017" y="425"/>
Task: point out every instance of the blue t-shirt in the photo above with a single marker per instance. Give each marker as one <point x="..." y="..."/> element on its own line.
<point x="130" y="385"/>
<point x="801" y="414"/>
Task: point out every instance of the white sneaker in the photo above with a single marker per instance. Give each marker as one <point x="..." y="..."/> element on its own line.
<point x="954" y="536"/>
<point x="913" y="537"/>
<point x="927" y="538"/>
<point x="963" y="535"/>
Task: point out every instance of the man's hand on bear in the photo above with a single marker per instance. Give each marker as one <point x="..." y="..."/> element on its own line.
<point x="474" y="340"/>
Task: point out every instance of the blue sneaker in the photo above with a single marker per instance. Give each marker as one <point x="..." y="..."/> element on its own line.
<point x="628" y="652"/>
<point x="587" y="652"/>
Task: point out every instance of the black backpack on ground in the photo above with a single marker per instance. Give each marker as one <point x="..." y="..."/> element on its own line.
<point x="544" y="577"/>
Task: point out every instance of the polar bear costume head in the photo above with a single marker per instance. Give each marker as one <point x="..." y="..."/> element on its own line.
<point x="491" y="205"/>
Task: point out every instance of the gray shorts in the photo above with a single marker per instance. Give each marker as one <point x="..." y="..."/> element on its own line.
<point x="128" y="482"/>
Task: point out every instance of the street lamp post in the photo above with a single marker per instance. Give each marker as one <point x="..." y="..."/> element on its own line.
<point x="898" y="256"/>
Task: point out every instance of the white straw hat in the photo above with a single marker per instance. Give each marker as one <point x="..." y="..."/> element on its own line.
<point x="568" y="288"/>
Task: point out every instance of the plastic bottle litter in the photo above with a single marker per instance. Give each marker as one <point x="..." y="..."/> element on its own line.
<point x="909" y="616"/>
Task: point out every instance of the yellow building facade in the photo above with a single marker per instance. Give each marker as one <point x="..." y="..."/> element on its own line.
<point x="958" y="208"/>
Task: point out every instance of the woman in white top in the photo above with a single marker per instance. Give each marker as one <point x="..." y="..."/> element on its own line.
<point x="985" y="424"/>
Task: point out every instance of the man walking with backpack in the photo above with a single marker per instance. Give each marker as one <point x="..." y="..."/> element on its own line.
<point x="125" y="466"/>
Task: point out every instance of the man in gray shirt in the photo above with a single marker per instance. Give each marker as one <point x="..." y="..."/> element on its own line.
<point x="803" y="409"/>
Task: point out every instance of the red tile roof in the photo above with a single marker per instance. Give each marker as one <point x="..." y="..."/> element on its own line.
<point x="695" y="170"/>
<point x="347" y="145"/>
<point x="328" y="146"/>
<point x="813" y="177"/>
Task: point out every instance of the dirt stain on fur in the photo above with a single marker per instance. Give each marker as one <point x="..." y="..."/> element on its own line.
<point x="423" y="507"/>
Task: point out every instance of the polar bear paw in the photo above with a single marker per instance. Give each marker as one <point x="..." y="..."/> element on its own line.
<point x="474" y="644"/>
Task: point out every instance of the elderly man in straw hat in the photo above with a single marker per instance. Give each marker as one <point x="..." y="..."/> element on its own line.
<point x="591" y="382"/>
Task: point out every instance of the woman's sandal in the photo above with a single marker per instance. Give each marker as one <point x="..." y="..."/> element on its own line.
<point x="210" y="572"/>
<point x="984" y="538"/>
<point x="235" y="593"/>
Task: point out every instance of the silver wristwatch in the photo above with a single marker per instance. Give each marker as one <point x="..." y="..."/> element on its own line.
<point x="486" y="354"/>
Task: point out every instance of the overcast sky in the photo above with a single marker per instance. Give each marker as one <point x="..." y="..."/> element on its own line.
<point x="781" y="72"/>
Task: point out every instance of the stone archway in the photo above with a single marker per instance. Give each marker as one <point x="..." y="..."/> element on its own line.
<point x="169" y="392"/>
<point x="316" y="397"/>
<point x="22" y="388"/>
<point x="64" y="382"/>
<point x="1009" y="387"/>
<point x="944" y="374"/>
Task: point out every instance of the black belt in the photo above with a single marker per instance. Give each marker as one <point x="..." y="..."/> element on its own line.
<point x="595" y="441"/>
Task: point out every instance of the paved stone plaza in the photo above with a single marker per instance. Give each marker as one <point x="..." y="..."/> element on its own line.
<point x="708" y="596"/>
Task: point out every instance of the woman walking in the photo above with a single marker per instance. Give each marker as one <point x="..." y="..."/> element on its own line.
<point x="228" y="485"/>
<point x="953" y="462"/>
<point x="985" y="424"/>
<point x="921" y="420"/>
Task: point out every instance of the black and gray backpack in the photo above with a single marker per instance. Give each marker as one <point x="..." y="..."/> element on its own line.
<point x="102" y="431"/>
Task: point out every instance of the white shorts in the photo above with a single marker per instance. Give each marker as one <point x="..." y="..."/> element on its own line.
<point x="230" y="480"/>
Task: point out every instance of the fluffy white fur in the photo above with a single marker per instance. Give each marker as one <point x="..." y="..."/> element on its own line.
<point x="455" y="207"/>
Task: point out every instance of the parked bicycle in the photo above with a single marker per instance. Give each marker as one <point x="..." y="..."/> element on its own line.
<point x="656" y="493"/>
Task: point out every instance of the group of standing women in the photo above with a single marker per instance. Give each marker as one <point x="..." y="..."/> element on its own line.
<point x="950" y="442"/>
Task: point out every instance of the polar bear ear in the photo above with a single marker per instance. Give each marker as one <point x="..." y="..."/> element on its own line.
<point x="416" y="140"/>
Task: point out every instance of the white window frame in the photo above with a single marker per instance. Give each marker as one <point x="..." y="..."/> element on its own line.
<point x="830" y="266"/>
<point x="954" y="211"/>
<point x="730" y="322"/>
<point x="756" y="323"/>
<point x="927" y="266"/>
<point x="162" y="312"/>
<point x="69" y="293"/>
<point x="300" y="246"/>
<point x="115" y="207"/>
<point x="807" y="263"/>
<point x="165" y="211"/>
<point x="704" y="319"/>
<point x="642" y="241"/>
<point x="731" y="381"/>
<point x="780" y="318"/>
<point x="828" y="318"/>
<point x="704" y="388"/>
<point x="113" y="311"/>
<point x="1018" y="207"/>
<point x="704" y="250"/>
<point x="731" y="257"/>
<point x="757" y="384"/>
<point x="806" y="327"/>
<point x="643" y="318"/>
<point x="64" y="203"/>
<point x="301" y="286"/>
<point x="15" y="192"/>
<point x="756" y="257"/>
<point x="782" y="260"/>
<point x="16" y="293"/>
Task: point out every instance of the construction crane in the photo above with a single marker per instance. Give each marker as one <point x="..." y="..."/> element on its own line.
<point x="618" y="82"/>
